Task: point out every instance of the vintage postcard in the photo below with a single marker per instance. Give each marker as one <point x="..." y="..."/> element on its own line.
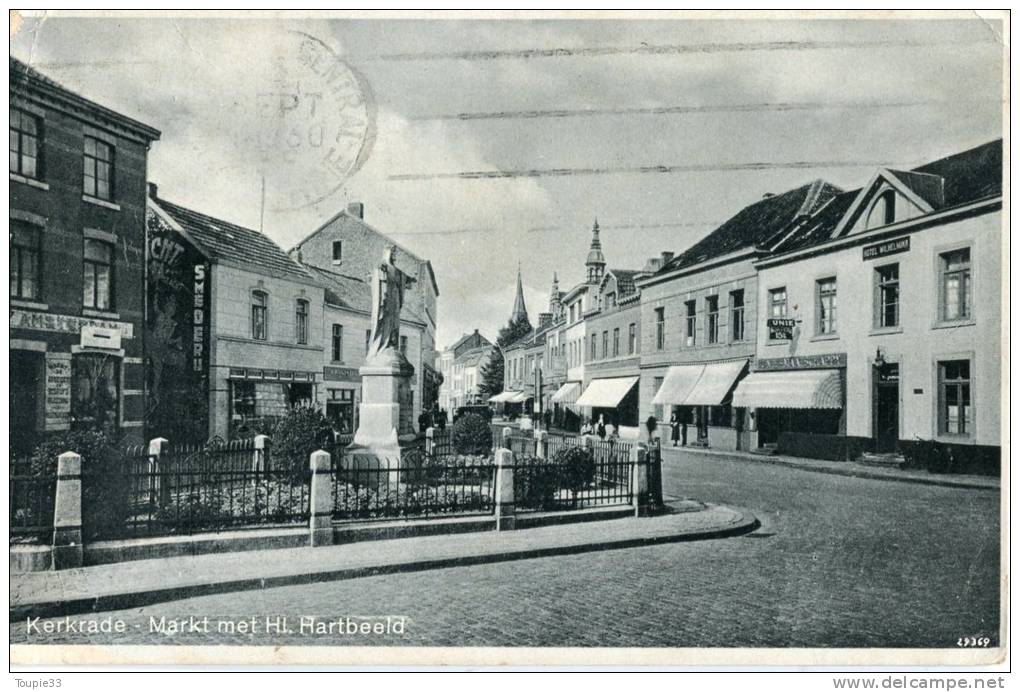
<point x="471" y="339"/>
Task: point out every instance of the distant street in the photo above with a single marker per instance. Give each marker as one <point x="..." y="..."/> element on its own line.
<point x="838" y="562"/>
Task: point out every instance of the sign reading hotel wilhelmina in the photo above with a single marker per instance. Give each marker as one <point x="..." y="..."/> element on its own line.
<point x="890" y="247"/>
<point x="177" y="334"/>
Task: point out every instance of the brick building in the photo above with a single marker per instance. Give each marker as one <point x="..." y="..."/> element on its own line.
<point x="77" y="248"/>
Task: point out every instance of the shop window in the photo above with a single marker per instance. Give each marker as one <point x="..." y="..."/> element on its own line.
<point x="338" y="343"/>
<point x="955" y="297"/>
<point x="887" y="302"/>
<point x="301" y="322"/>
<point x="25" y="263"/>
<point x="300" y="394"/>
<point x="690" y="323"/>
<point x="97" y="284"/>
<point x="242" y="400"/>
<point x="632" y="338"/>
<point x="259" y="318"/>
<point x="95" y="391"/>
<point x="883" y="211"/>
<point x="825" y="299"/>
<point x="660" y="328"/>
<point x="340" y="410"/>
<point x="98" y="168"/>
<point x="955" y="411"/>
<point x="712" y="307"/>
<point x="737" y="315"/>
<point x="720" y="416"/>
<point x="25" y="133"/>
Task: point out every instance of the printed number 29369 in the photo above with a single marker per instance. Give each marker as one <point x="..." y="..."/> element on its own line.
<point x="970" y="642"/>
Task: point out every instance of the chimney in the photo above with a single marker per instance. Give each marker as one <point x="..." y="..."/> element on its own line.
<point x="356" y="209"/>
<point x="666" y="257"/>
<point x="153" y="190"/>
<point x="544" y="319"/>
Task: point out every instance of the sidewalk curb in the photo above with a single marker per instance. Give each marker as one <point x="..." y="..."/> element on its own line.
<point x="745" y="523"/>
<point x="850" y="472"/>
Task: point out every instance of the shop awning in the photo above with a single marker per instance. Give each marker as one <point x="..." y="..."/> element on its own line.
<point x="518" y="398"/>
<point x="502" y="397"/>
<point x="607" y="392"/>
<point x="715" y="383"/>
<point x="679" y="382"/>
<point x="567" y="394"/>
<point x="790" y="389"/>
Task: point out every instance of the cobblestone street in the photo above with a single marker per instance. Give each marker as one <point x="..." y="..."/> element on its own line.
<point x="838" y="562"/>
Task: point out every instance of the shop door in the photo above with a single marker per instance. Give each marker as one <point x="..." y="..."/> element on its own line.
<point x="26" y="383"/>
<point x="887" y="408"/>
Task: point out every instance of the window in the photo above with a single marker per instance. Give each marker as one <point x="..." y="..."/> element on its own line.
<point x="660" y="328"/>
<point x="594" y="345"/>
<point x="338" y="343"/>
<point x="777" y="302"/>
<point x="25" y="265"/>
<point x="368" y="339"/>
<point x="888" y="300"/>
<point x="610" y="300"/>
<point x="826" y="300"/>
<point x="605" y="344"/>
<point x="712" y="307"/>
<point x="955" y="270"/>
<point x="616" y="342"/>
<point x="657" y="385"/>
<point x="631" y="338"/>
<point x="95" y="390"/>
<point x="883" y="211"/>
<point x="955" y="415"/>
<point x="97" y="282"/>
<point x="24" y="148"/>
<point x="301" y="322"/>
<point x="338" y="250"/>
<point x="403" y="345"/>
<point x="259" y="304"/>
<point x="737" y="315"/>
<point x="690" y="323"/>
<point x="98" y="168"/>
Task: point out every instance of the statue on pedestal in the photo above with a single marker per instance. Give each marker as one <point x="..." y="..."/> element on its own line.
<point x="388" y="284"/>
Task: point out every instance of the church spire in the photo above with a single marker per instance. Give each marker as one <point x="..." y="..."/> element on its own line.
<point x="554" y="297"/>
<point x="596" y="262"/>
<point x="519" y="309"/>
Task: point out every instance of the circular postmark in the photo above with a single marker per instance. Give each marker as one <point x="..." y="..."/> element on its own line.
<point x="314" y="123"/>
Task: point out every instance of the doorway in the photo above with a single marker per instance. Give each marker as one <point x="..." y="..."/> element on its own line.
<point x="887" y="407"/>
<point x="26" y="385"/>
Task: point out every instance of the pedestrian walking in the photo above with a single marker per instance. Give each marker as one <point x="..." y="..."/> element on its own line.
<point x="674" y="428"/>
<point x="600" y="429"/>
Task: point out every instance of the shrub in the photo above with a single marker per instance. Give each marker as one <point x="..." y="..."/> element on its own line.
<point x="472" y="435"/>
<point x="300" y="432"/>
<point x="578" y="466"/>
<point x="536" y="482"/>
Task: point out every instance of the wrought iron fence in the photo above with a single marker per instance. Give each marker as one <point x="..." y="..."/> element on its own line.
<point x="597" y="474"/>
<point x="31" y="501"/>
<point x="419" y="485"/>
<point x="522" y="446"/>
<point x="190" y="489"/>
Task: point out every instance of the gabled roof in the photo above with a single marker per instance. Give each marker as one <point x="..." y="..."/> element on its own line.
<point x="624" y="281"/>
<point x="966" y="177"/>
<point x="462" y="340"/>
<point x="757" y="224"/>
<point x="350" y="292"/>
<point x="243" y="247"/>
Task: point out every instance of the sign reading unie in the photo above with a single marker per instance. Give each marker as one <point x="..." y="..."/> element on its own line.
<point x="781" y="328"/>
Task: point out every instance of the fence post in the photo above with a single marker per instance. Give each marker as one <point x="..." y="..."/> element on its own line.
<point x="159" y="492"/>
<point x="320" y="500"/>
<point x="260" y="457"/>
<point x="507" y="431"/>
<point x="506" y="510"/>
<point x="542" y="444"/>
<point x="67" y="549"/>
<point x="639" y="479"/>
<point x="430" y="434"/>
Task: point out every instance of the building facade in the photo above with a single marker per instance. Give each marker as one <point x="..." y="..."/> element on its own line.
<point x="699" y="319"/>
<point x="77" y="271"/>
<point x="460" y="367"/>
<point x="263" y="322"/>
<point x="886" y="318"/>
<point x="347" y="245"/>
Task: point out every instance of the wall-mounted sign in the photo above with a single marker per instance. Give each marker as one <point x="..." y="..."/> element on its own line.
<point x="335" y="373"/>
<point x="781" y="328"/>
<point x="58" y="391"/>
<point x="817" y="362"/>
<point x="889" y="247"/>
<point x="70" y="324"/>
<point x="100" y="337"/>
<point x="274" y="375"/>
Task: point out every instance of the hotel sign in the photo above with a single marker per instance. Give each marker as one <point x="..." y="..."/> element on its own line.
<point x="333" y="373"/>
<point x="819" y="362"/>
<point x="70" y="324"/>
<point x="890" y="247"/>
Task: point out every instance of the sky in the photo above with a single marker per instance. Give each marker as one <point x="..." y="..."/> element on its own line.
<point x="491" y="145"/>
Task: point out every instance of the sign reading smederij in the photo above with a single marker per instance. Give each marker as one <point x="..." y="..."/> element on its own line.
<point x="822" y="361"/>
<point x="177" y="331"/>
<point x="890" y="247"/>
<point x="781" y="328"/>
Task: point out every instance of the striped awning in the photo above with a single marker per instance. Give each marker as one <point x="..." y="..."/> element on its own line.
<point x="502" y="397"/>
<point x="518" y="398"/>
<point x="715" y="383"/>
<point x="790" y="389"/>
<point x="567" y="394"/>
<point x="679" y="382"/>
<point x="607" y="392"/>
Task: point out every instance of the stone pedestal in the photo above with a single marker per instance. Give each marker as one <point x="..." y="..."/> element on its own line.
<point x="376" y="449"/>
